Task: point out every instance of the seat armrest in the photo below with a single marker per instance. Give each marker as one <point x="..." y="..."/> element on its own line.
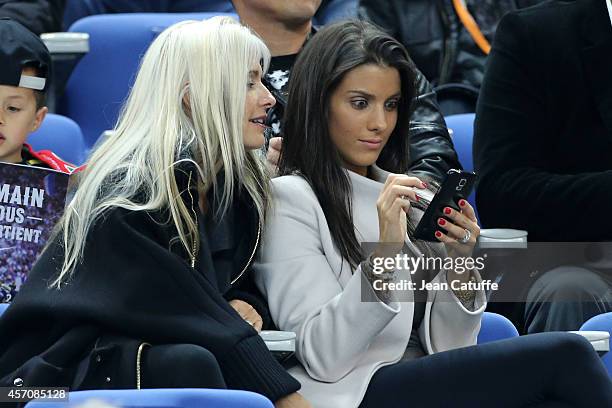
<point x="502" y="238"/>
<point x="66" y="43"/>
<point x="600" y="340"/>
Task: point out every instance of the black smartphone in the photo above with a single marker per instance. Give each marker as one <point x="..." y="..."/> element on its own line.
<point x="456" y="186"/>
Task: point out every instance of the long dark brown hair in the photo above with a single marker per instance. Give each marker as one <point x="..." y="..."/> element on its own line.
<point x="307" y="146"/>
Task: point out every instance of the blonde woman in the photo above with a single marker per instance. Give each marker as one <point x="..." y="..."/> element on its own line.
<point x="144" y="283"/>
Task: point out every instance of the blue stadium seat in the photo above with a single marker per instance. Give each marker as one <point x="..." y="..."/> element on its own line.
<point x="62" y="136"/>
<point x="601" y="322"/>
<point x="3" y="307"/>
<point x="495" y="327"/>
<point x="100" y="82"/>
<point x="163" y="398"/>
<point x="462" y="127"/>
<point x="77" y="9"/>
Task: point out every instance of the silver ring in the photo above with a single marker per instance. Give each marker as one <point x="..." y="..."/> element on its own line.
<point x="251" y="323"/>
<point x="466" y="237"/>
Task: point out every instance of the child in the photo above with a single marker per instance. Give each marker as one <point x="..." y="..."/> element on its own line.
<point x="24" y="81"/>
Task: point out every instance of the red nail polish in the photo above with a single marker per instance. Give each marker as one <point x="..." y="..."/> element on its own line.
<point x="441" y="221"/>
<point x="424" y="184"/>
<point x="438" y="234"/>
<point x="417" y="198"/>
<point x="462" y="203"/>
<point x="447" y="211"/>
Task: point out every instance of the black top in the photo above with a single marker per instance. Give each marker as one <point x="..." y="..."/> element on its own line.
<point x="543" y="135"/>
<point x="134" y="286"/>
<point x="435" y="37"/>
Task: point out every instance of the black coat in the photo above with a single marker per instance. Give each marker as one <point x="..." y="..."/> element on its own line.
<point x="39" y="16"/>
<point x="543" y="136"/>
<point x="133" y="286"/>
<point x="435" y="37"/>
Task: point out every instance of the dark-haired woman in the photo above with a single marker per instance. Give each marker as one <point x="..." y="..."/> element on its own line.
<point x="347" y="116"/>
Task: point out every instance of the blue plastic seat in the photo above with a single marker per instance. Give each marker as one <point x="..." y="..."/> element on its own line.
<point x="100" y="83"/>
<point x="462" y="127"/>
<point x="62" y="136"/>
<point x="77" y="9"/>
<point x="495" y="327"/>
<point x="602" y="322"/>
<point x="163" y="398"/>
<point x="3" y="307"/>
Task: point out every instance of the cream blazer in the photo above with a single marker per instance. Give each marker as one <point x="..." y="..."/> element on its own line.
<point x="312" y="291"/>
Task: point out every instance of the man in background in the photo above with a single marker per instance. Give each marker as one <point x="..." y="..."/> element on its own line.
<point x="285" y="26"/>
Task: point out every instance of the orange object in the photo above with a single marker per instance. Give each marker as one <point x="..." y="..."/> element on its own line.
<point x="471" y="26"/>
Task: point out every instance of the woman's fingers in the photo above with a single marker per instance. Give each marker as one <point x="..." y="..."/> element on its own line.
<point x="274" y="150"/>
<point x="461" y="220"/>
<point x="398" y="185"/>
<point x="456" y="232"/>
<point x="468" y="210"/>
<point x="404" y="180"/>
<point x="248" y="313"/>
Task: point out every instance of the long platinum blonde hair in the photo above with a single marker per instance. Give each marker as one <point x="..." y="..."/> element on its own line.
<point x="187" y="104"/>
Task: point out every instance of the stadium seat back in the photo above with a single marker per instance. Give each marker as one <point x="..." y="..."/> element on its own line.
<point x="166" y="398"/>
<point x="495" y="327"/>
<point x="62" y="136"/>
<point x="100" y="83"/>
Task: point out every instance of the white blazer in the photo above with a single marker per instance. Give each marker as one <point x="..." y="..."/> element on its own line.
<point x="312" y="291"/>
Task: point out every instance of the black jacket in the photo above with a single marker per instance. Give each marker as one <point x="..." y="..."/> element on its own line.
<point x="133" y="286"/>
<point x="431" y="149"/>
<point x="39" y="16"/>
<point x="543" y="136"/>
<point x="435" y="37"/>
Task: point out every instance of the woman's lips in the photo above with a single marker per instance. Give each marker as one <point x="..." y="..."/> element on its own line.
<point x="371" y="143"/>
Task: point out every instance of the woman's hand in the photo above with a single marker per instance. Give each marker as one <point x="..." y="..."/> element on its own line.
<point x="248" y="313"/>
<point x="294" y="400"/>
<point x="454" y="232"/>
<point x="274" y="151"/>
<point x="392" y="205"/>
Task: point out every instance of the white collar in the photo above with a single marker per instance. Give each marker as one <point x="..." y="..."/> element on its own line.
<point x="609" y="5"/>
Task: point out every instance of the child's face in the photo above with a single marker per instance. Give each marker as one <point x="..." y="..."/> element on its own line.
<point x="18" y="118"/>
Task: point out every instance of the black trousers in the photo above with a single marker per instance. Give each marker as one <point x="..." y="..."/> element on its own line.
<point x="539" y="370"/>
<point x="180" y="366"/>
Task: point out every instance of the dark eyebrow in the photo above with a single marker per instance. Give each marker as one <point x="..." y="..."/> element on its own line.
<point x="360" y="92"/>
<point x="368" y="95"/>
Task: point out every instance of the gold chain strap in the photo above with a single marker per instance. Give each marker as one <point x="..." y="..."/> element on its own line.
<point x="138" y="363"/>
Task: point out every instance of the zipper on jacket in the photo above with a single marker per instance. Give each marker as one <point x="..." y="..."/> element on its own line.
<point x="252" y="254"/>
<point x="195" y="215"/>
<point x="194" y="247"/>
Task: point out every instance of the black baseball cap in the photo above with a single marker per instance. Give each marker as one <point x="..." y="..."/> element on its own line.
<point x="21" y="48"/>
